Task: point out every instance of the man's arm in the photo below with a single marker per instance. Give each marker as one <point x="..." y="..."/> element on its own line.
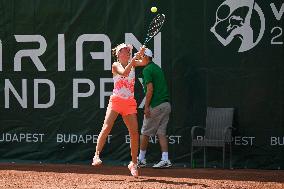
<point x="149" y="95"/>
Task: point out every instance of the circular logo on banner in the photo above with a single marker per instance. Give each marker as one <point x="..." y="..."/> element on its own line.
<point x="234" y="19"/>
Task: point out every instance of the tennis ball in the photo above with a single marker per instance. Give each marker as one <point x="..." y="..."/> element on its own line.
<point x="154" y="9"/>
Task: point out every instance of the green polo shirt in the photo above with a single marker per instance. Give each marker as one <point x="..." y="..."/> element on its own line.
<point x="152" y="73"/>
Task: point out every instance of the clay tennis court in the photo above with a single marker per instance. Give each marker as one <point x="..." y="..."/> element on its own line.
<point x="87" y="177"/>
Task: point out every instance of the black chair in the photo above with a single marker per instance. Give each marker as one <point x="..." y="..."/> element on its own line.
<point x="217" y="132"/>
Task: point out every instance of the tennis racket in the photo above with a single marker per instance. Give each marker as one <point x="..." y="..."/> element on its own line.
<point x="154" y="27"/>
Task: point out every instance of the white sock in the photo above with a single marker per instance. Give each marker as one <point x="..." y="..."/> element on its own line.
<point x="165" y="156"/>
<point x="142" y="155"/>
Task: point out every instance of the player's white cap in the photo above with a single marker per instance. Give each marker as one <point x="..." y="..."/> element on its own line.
<point x="148" y="52"/>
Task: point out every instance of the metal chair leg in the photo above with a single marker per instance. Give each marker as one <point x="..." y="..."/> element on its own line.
<point x="204" y="157"/>
<point x="230" y="155"/>
<point x="191" y="156"/>
<point x="224" y="156"/>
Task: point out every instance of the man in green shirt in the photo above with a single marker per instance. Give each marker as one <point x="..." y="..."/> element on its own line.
<point x="156" y="112"/>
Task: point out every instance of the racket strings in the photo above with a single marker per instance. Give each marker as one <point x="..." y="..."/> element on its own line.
<point x="156" y="25"/>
